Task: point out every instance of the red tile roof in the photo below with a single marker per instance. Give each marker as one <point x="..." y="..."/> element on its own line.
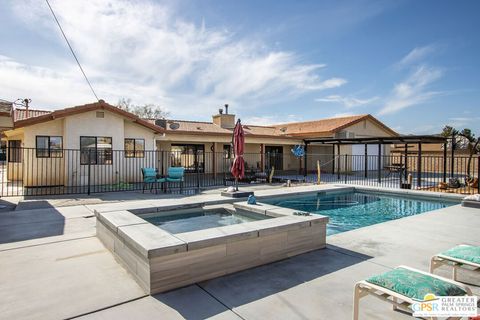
<point x="326" y="126"/>
<point x="303" y="129"/>
<point x="199" y="127"/>
<point x="297" y="130"/>
<point x="21" y="113"/>
<point x="85" y="108"/>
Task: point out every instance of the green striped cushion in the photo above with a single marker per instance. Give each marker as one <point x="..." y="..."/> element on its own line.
<point x="415" y="285"/>
<point x="464" y="252"/>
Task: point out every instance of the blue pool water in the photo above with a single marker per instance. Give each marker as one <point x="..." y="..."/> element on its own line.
<point x="198" y="220"/>
<point x="348" y="211"/>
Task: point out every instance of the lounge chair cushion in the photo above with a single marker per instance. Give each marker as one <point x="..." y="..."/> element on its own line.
<point x="464" y="252"/>
<point x="415" y="285"/>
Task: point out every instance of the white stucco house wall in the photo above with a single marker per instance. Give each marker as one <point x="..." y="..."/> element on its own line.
<point x="58" y="148"/>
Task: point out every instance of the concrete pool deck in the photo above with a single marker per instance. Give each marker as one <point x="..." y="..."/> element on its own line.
<point x="54" y="267"/>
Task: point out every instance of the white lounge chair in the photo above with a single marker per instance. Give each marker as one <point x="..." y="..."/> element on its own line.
<point x="404" y="286"/>
<point x="462" y="256"/>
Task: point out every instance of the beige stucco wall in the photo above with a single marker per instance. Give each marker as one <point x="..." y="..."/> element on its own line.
<point x="130" y="168"/>
<point x="252" y="155"/>
<point x="203" y="138"/>
<point x="112" y="125"/>
<point x="363" y="129"/>
<point x="324" y="153"/>
<point x="43" y="171"/>
<point x="14" y="169"/>
<point x="67" y="170"/>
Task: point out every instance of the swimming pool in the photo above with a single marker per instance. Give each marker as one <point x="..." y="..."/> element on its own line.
<point x="353" y="210"/>
<point x="186" y="221"/>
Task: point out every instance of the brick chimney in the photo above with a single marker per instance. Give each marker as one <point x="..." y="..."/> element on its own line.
<point x="224" y="119"/>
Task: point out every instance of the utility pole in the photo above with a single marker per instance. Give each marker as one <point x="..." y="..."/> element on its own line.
<point x="23" y="103"/>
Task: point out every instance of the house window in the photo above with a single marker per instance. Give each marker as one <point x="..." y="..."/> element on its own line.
<point x="227" y="151"/>
<point x="134" y="148"/>
<point x="189" y="156"/>
<point x="49" y="147"/>
<point x="96" y="150"/>
<point x="15" y="151"/>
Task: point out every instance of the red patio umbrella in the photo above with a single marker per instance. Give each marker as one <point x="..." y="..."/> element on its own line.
<point x="238" y="165"/>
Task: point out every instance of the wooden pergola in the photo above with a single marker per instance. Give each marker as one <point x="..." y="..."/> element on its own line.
<point x="400" y="139"/>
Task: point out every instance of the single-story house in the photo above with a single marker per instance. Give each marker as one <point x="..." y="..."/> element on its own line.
<point x="58" y="148"/>
<point x="67" y="147"/>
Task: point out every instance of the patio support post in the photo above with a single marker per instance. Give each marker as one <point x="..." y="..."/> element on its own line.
<point x="333" y="159"/>
<point x="379" y="164"/>
<point x="89" y="168"/>
<point x="164" y="159"/>
<point x="214" y="160"/>
<point x="346" y="166"/>
<point x="419" y="166"/>
<point x="197" y="171"/>
<point x="338" y="164"/>
<point x="405" y="173"/>
<point x="478" y="174"/>
<point x="224" y="157"/>
<point x="305" y="162"/>
<point x="452" y="160"/>
<point x="445" y="162"/>
<point x="262" y="157"/>
<point x="366" y="160"/>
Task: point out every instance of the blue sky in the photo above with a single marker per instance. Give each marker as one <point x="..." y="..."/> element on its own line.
<point x="412" y="64"/>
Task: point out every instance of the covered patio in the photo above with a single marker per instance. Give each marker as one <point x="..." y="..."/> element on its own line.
<point x="382" y="162"/>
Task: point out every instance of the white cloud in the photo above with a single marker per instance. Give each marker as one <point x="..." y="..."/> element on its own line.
<point x="18" y="80"/>
<point x="145" y="51"/>
<point x="461" y="122"/>
<point x="416" y="55"/>
<point x="269" y="120"/>
<point x="464" y="119"/>
<point x="343" y="114"/>
<point x="412" y="91"/>
<point x="348" y="102"/>
<point x="426" y="129"/>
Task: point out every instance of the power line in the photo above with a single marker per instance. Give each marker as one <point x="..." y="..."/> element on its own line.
<point x="71" y="49"/>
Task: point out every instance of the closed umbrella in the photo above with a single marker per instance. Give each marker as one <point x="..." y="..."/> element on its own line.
<point x="238" y="166"/>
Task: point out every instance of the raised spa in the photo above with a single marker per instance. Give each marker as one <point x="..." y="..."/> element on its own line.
<point x="166" y="248"/>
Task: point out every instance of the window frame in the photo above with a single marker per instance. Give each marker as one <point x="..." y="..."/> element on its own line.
<point x="58" y="152"/>
<point x="96" y="151"/>
<point x="135" y="153"/>
<point x="227" y="151"/>
<point x="15" y="152"/>
<point x="177" y="155"/>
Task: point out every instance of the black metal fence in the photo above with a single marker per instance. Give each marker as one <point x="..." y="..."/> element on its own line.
<point x="431" y="173"/>
<point x="27" y="171"/>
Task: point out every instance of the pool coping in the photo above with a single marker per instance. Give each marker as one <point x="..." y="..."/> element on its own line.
<point x="147" y="251"/>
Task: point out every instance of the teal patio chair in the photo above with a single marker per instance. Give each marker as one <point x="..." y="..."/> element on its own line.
<point x="175" y="175"/>
<point x="150" y="176"/>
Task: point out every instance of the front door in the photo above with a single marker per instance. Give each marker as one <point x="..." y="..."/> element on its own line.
<point x="274" y="157"/>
